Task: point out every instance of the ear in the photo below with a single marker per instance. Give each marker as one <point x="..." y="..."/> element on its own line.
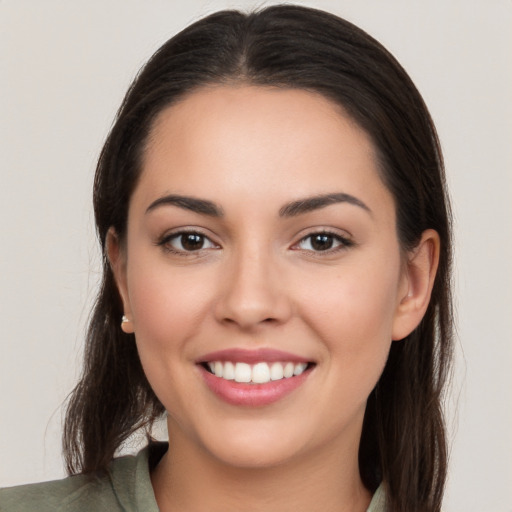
<point x="117" y="259"/>
<point x="416" y="285"/>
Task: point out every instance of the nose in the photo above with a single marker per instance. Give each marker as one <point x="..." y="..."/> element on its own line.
<point x="253" y="293"/>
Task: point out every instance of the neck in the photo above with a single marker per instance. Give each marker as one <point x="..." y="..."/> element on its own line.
<point x="188" y="479"/>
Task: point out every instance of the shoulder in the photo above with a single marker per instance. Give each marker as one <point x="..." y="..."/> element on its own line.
<point x="125" y="486"/>
<point x="378" y="503"/>
<point x="74" y="493"/>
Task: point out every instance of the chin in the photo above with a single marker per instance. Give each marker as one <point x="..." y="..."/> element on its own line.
<point x="254" y="457"/>
<point x="256" y="447"/>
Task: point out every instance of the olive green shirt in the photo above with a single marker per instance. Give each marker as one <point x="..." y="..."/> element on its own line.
<point x="126" y="487"/>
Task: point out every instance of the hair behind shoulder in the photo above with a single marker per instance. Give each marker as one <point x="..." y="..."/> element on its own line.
<point x="403" y="442"/>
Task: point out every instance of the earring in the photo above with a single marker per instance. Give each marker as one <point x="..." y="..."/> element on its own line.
<point x="126" y="325"/>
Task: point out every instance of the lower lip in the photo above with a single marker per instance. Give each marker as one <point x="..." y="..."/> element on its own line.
<point x="252" y="395"/>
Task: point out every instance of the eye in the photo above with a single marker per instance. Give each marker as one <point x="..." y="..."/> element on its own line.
<point x="187" y="241"/>
<point x="323" y="242"/>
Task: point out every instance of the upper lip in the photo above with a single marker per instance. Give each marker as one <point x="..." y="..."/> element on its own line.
<point x="241" y="355"/>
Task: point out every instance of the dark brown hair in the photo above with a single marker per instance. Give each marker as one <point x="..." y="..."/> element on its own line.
<point x="403" y="440"/>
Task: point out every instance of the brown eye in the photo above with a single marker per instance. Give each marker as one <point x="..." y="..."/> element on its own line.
<point x="323" y="242"/>
<point x="191" y="241"/>
<point x="186" y="242"/>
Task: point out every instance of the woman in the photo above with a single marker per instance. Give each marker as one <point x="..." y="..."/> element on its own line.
<point x="276" y="236"/>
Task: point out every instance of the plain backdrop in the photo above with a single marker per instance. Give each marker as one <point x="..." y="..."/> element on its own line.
<point x="64" y="67"/>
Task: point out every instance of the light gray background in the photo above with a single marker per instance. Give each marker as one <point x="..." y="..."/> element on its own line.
<point x="64" y="67"/>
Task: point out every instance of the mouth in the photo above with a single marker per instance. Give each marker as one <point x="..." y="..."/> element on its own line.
<point x="261" y="372"/>
<point x="254" y="378"/>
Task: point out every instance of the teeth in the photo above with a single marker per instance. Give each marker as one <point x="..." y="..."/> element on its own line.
<point x="299" y="368"/>
<point x="260" y="373"/>
<point x="288" y="370"/>
<point x="242" y="372"/>
<point x="277" y="371"/>
<point x="229" y="371"/>
<point x="218" y="369"/>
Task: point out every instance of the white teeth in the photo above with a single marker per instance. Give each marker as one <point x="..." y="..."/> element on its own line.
<point x="299" y="368"/>
<point x="260" y="373"/>
<point x="243" y="372"/>
<point x="276" y="371"/>
<point x="218" y="369"/>
<point x="229" y="371"/>
<point x="288" y="370"/>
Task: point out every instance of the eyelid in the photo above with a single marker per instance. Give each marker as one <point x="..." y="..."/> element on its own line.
<point x="345" y="241"/>
<point x="342" y="240"/>
<point x="164" y="240"/>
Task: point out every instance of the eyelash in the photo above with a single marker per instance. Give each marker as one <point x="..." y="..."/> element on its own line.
<point x="166" y="240"/>
<point x="343" y="243"/>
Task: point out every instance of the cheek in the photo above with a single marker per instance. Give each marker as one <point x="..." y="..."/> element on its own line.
<point x="165" y="298"/>
<point x="353" y="315"/>
<point x="357" y="300"/>
<point x="168" y="307"/>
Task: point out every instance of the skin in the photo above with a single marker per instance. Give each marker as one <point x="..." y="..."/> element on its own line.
<point x="257" y="282"/>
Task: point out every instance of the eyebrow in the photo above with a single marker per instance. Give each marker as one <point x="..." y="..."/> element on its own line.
<point x="309" y="204"/>
<point x="298" y="207"/>
<point x="202" y="206"/>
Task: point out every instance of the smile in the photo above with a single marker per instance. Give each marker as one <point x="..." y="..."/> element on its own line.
<point x="254" y="378"/>
<point x="259" y="373"/>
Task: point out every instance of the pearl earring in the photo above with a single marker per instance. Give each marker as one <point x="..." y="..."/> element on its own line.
<point x="126" y="325"/>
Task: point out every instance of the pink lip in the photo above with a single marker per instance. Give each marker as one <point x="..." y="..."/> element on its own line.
<point x="252" y="395"/>
<point x="240" y="355"/>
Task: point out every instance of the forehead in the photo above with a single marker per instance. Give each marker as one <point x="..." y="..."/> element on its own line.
<point x="256" y="142"/>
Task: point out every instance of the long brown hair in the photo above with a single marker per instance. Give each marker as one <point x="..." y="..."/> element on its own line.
<point x="403" y="442"/>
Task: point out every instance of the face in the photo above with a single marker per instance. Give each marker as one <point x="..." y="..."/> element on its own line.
<point x="261" y="273"/>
